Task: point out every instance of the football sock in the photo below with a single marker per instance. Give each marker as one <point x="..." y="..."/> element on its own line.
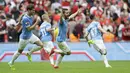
<point x="51" y="59"/>
<point x="105" y="59"/>
<point x="15" y="56"/>
<point x="59" y="59"/>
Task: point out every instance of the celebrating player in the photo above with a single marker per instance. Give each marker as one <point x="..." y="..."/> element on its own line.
<point x="95" y="29"/>
<point x="27" y="36"/>
<point x="46" y="33"/>
<point x="61" y="38"/>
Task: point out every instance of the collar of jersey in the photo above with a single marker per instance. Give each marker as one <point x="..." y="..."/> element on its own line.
<point x="28" y="16"/>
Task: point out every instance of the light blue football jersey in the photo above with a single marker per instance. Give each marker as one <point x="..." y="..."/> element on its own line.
<point x="95" y="33"/>
<point x="26" y="22"/>
<point x="45" y="35"/>
<point x="63" y="28"/>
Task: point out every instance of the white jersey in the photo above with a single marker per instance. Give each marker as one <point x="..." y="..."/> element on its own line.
<point x="94" y="31"/>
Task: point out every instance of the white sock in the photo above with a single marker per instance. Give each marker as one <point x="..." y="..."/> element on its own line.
<point x="51" y="59"/>
<point x="59" y="59"/>
<point x="34" y="49"/>
<point x="105" y="59"/>
<point x="15" y="56"/>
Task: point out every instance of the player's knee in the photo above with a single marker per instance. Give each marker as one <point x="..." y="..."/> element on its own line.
<point x="41" y="46"/>
<point x="20" y="51"/>
<point x="68" y="53"/>
<point x="62" y="54"/>
<point x="103" y="52"/>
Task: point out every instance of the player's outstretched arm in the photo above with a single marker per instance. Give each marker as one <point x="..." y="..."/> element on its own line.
<point x="73" y="15"/>
<point x="61" y="17"/>
<point x="50" y="29"/>
<point x="20" y="17"/>
<point x="18" y="26"/>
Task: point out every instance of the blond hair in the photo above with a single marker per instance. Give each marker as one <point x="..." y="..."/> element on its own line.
<point x="45" y="16"/>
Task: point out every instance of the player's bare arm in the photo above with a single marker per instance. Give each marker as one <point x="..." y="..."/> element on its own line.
<point x="18" y="26"/>
<point x="73" y="15"/>
<point x="87" y="39"/>
<point x="86" y="35"/>
<point x="50" y="30"/>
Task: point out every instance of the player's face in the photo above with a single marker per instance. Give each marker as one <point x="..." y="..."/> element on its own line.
<point x="48" y="19"/>
<point x="67" y="13"/>
<point x="32" y="12"/>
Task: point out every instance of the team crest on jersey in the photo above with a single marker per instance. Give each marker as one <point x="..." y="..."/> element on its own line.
<point x="27" y="23"/>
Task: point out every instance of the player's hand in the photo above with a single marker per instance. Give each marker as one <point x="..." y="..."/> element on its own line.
<point x="91" y="42"/>
<point x="79" y="10"/>
<point x="53" y="28"/>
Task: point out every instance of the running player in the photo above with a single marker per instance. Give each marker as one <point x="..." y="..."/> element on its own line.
<point x="46" y="34"/>
<point x="95" y="29"/>
<point x="27" y="36"/>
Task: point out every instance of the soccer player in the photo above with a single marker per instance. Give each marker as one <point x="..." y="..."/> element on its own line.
<point x="27" y="36"/>
<point x="46" y="34"/>
<point x="95" y="29"/>
<point x="61" y="38"/>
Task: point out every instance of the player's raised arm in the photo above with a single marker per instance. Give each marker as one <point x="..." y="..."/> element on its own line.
<point x="18" y="26"/>
<point x="74" y="14"/>
<point x="61" y="16"/>
<point x="20" y="17"/>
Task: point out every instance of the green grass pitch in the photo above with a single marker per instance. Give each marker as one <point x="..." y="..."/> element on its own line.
<point x="67" y="67"/>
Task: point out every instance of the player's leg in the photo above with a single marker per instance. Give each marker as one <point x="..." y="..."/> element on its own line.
<point x="52" y="59"/>
<point x="54" y="50"/>
<point x="66" y="51"/>
<point x="100" y="47"/>
<point x="35" y="40"/>
<point x="58" y="60"/>
<point x="66" y="48"/>
<point x="48" y="47"/>
<point x="22" y="44"/>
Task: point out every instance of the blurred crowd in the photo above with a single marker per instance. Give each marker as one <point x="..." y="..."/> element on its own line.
<point x="113" y="15"/>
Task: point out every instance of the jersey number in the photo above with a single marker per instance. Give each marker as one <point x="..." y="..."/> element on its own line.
<point x="43" y="31"/>
<point x="93" y="32"/>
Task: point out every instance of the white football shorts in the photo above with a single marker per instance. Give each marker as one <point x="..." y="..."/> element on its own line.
<point x="63" y="46"/>
<point x="99" y="45"/>
<point x="22" y="43"/>
<point x="48" y="46"/>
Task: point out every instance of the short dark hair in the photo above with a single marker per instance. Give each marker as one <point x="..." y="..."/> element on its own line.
<point x="92" y="16"/>
<point x="98" y="2"/>
<point x="30" y="7"/>
<point x="114" y="17"/>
